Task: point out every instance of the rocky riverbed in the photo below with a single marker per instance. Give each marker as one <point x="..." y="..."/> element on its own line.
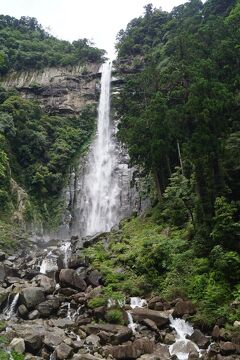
<point x="47" y="312"/>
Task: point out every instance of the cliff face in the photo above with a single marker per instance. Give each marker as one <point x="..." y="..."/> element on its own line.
<point x="59" y="90"/>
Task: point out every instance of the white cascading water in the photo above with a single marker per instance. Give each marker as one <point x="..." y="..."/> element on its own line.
<point x="9" y="310"/>
<point x="134" y="302"/>
<point x="99" y="204"/>
<point x="182" y="346"/>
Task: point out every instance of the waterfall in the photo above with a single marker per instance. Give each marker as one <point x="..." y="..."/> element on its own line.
<point x="182" y="346"/>
<point x="10" y="308"/>
<point x="99" y="195"/>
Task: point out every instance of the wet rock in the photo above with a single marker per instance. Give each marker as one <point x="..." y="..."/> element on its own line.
<point x="200" y="339"/>
<point x="23" y="311"/>
<point x="63" y="351"/>
<point x="131" y="350"/>
<point x="227" y="348"/>
<point x="94" y="278"/>
<point x="161" y="318"/>
<point x="193" y="356"/>
<point x="32" y="296"/>
<point x="70" y="277"/>
<point x="48" y="307"/>
<point x="169" y="339"/>
<point x="184" y="308"/>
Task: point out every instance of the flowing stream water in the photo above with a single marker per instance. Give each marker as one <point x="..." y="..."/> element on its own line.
<point x="182" y="346"/>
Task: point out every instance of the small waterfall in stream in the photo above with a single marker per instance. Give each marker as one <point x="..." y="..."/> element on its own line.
<point x="10" y="308"/>
<point x="182" y="346"/>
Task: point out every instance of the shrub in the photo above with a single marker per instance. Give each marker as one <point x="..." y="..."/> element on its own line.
<point x="97" y="302"/>
<point x="115" y="316"/>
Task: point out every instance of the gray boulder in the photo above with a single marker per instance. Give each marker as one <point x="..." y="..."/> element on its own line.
<point x="32" y="296"/>
<point x="70" y="277"/>
<point x="161" y="318"/>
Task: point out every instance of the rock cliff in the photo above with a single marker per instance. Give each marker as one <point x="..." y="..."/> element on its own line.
<point x="60" y="90"/>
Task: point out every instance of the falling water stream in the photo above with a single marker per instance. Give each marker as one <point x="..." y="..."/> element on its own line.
<point x="182" y="346"/>
<point x="98" y="206"/>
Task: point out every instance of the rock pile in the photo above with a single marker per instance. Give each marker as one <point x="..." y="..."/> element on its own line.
<point x="52" y="317"/>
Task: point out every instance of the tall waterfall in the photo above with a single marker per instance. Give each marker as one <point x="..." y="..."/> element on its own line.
<point x="98" y="202"/>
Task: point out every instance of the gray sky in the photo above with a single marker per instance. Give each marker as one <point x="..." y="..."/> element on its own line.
<point x="97" y="20"/>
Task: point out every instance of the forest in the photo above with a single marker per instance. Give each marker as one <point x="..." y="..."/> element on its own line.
<point x="179" y="111"/>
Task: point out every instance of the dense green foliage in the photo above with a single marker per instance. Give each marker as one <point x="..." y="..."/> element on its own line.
<point x="145" y="257"/>
<point x="182" y="110"/>
<point x="37" y="149"/>
<point x="24" y="44"/>
<point x="179" y="117"/>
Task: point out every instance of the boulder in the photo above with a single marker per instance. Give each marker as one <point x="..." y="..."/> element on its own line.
<point x="153" y="301"/>
<point x="33" y="315"/>
<point x="184" y="308"/>
<point x="86" y="357"/>
<point x="169" y="339"/>
<point x="160" y="353"/>
<point x="161" y="318"/>
<point x="18" y="345"/>
<point x="76" y="261"/>
<point x="48" y="307"/>
<point x="131" y="350"/>
<point x="23" y="311"/>
<point x="63" y="351"/>
<point x="52" y="340"/>
<point x="200" y="339"/>
<point x="2" y="256"/>
<point x="62" y="323"/>
<point x="32" y="296"/>
<point x="216" y="332"/>
<point x="227" y="348"/>
<point x="93" y="340"/>
<point x="47" y="284"/>
<point x="70" y="277"/>
<point x="33" y="343"/>
<point x="2" y="273"/>
<point x="115" y="334"/>
<point x="3" y="295"/>
<point x="94" y="278"/>
<point x="150" y="324"/>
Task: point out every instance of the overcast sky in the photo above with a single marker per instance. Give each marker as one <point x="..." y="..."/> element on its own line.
<point x="97" y="20"/>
